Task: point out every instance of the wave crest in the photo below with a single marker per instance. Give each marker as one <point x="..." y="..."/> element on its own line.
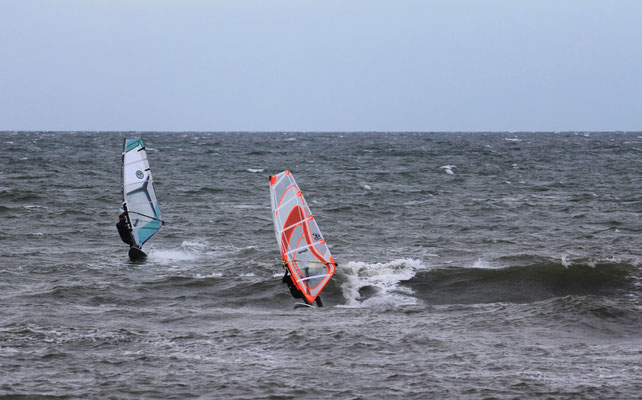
<point x="379" y="284"/>
<point x="482" y="283"/>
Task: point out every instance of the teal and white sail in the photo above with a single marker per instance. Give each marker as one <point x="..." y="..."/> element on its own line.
<point x="139" y="194"/>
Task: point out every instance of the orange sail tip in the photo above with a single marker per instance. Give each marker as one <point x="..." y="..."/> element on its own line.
<point x="286" y="172"/>
<point x="272" y="180"/>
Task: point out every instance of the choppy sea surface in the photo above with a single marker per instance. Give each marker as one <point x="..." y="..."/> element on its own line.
<point x="471" y="265"/>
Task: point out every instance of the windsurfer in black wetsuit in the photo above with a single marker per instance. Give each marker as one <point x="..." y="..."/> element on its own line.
<point x="123" y="230"/>
<point x="296" y="293"/>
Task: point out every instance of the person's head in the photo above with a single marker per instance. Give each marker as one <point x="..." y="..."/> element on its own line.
<point x="121" y="217"/>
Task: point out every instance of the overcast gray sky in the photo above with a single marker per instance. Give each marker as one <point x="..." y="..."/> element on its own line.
<point x="323" y="65"/>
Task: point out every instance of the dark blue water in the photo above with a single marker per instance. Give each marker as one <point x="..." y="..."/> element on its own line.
<point x="486" y="265"/>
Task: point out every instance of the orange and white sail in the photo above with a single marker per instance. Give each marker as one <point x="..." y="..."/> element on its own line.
<point x="302" y="245"/>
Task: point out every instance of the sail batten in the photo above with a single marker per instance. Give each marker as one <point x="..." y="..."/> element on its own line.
<point x="139" y="194"/>
<point x="300" y="241"/>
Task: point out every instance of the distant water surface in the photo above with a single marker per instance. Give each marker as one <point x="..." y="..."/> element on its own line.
<point x="486" y="265"/>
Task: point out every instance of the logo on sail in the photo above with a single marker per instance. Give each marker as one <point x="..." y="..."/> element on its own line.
<point x="139" y="174"/>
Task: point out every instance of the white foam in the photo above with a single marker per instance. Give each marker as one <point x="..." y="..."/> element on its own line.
<point x="210" y="275"/>
<point x="565" y="261"/>
<point x="29" y="207"/>
<point x="383" y="278"/>
<point x="193" y="244"/>
<point x="448" y="169"/>
<point x="249" y="206"/>
<point x="254" y="170"/>
<point x="483" y="264"/>
<point x="189" y="250"/>
<point x="163" y="255"/>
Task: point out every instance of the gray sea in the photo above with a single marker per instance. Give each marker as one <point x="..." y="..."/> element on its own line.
<point x="471" y="266"/>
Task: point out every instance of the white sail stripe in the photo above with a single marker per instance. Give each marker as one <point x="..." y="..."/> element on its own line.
<point x="286" y="202"/>
<point x="279" y="234"/>
<point x="140" y="202"/>
<point x="278" y="230"/>
<point x="303" y="247"/>
<point x="325" y="254"/>
<point x="307" y="219"/>
<point x="140" y="160"/>
<point x="313" y="277"/>
<point x="138" y="183"/>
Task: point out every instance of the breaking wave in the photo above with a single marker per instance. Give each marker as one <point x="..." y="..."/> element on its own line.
<point x="409" y="282"/>
<point x="379" y="284"/>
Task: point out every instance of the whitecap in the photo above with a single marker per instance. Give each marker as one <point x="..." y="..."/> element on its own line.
<point x="565" y="261"/>
<point x="254" y="170"/>
<point x="480" y="263"/>
<point x="193" y="244"/>
<point x="165" y="256"/>
<point x="448" y="169"/>
<point x="206" y="276"/>
<point x="383" y="279"/>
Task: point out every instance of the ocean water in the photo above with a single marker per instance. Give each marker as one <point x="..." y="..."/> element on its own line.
<point x="471" y="265"/>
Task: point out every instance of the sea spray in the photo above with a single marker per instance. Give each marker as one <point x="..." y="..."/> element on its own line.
<point x="379" y="284"/>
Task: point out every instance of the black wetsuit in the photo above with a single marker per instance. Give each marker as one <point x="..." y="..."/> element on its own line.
<point x="287" y="279"/>
<point x="296" y="293"/>
<point x="124" y="232"/>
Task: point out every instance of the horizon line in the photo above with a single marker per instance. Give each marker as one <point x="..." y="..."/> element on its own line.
<point x="315" y="131"/>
